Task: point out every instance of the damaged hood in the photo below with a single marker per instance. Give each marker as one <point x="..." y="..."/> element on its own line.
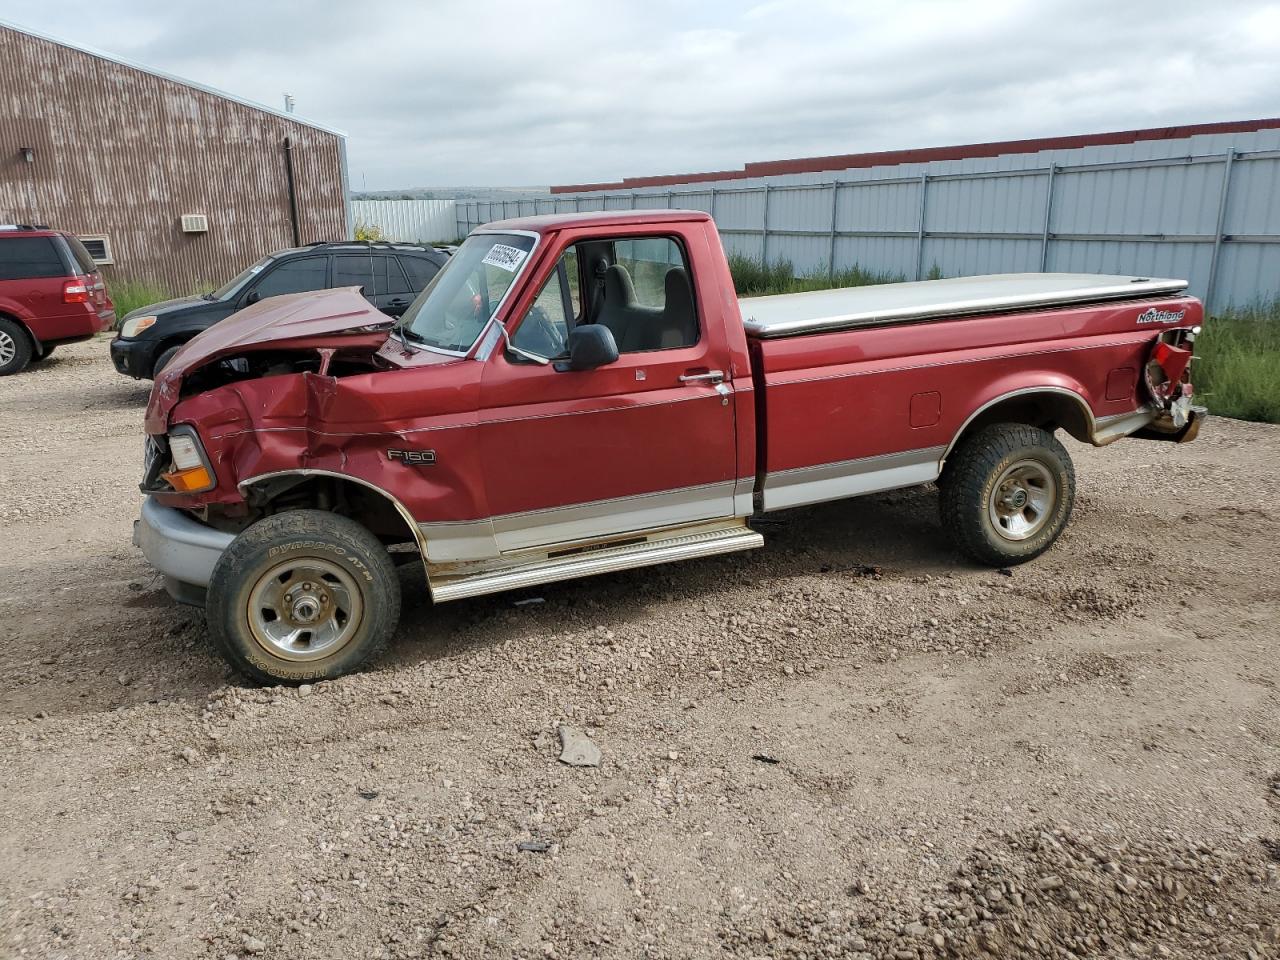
<point x="317" y="319"/>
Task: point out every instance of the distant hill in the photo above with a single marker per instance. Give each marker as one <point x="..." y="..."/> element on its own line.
<point x="451" y="193"/>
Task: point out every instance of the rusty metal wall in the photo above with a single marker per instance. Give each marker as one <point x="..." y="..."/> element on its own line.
<point x="125" y="153"/>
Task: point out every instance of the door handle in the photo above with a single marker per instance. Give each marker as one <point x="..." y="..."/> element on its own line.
<point x="711" y="376"/>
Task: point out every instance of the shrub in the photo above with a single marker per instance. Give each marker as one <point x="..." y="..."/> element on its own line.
<point x="370" y="232"/>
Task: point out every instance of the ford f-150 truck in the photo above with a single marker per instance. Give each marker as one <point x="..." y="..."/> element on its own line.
<point x="586" y="393"/>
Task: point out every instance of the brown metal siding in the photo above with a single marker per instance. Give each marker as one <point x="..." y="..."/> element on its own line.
<point x="125" y="153"/>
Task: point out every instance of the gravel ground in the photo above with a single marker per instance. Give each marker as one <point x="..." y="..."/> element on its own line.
<point x="848" y="744"/>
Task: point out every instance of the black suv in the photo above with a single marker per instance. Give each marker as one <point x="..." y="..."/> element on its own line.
<point x="392" y="274"/>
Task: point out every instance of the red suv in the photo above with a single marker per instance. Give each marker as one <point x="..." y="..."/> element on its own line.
<point x="50" y="293"/>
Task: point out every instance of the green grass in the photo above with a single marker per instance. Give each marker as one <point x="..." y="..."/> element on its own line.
<point x="751" y="278"/>
<point x="129" y="295"/>
<point x="1237" y="367"/>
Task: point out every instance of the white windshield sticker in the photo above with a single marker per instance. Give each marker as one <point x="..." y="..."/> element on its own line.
<point x="506" y="257"/>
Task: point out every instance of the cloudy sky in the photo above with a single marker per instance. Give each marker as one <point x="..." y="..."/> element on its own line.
<point x="489" y="92"/>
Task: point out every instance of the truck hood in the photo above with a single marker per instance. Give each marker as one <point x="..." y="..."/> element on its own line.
<point x="316" y="320"/>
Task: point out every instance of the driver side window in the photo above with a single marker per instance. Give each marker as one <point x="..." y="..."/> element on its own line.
<point x="545" y="328"/>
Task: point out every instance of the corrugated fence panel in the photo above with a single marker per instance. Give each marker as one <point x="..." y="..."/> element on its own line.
<point x="408" y="220"/>
<point x="1150" y="208"/>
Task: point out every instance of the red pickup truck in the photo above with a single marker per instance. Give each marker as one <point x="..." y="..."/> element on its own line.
<point x="586" y="393"/>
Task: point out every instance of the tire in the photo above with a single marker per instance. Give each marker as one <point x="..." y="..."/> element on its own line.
<point x="15" y="347"/>
<point x="272" y="586"/>
<point x="162" y="361"/>
<point x="1007" y="493"/>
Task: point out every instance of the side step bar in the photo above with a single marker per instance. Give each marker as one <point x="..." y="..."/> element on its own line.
<point x="673" y="546"/>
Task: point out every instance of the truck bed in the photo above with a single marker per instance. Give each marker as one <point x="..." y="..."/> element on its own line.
<point x="793" y="314"/>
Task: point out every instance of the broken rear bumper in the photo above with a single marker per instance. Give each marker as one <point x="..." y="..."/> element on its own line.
<point x="182" y="549"/>
<point x="1173" y="428"/>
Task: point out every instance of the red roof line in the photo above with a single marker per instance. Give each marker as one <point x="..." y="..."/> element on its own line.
<point x="853" y="161"/>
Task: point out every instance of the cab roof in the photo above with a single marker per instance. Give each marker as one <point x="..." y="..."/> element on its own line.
<point x="547" y="223"/>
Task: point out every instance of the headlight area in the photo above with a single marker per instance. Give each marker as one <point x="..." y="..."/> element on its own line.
<point x="131" y="328"/>
<point x="191" y="472"/>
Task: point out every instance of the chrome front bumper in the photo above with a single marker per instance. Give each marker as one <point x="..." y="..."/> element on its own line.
<point x="182" y="549"/>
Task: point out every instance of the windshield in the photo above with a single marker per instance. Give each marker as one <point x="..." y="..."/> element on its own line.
<point x="454" y="308"/>
<point x="229" y="288"/>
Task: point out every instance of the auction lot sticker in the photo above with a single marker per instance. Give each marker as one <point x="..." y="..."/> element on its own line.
<point x="506" y="257"/>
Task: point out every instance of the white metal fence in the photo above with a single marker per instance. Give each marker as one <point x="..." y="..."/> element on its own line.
<point x="1210" y="218"/>
<point x="408" y="221"/>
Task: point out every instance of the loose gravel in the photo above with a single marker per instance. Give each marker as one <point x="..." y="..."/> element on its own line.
<point x="848" y="744"/>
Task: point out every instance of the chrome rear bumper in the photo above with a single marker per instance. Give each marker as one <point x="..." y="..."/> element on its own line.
<point x="181" y="548"/>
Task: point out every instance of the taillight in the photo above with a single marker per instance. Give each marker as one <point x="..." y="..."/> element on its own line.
<point x="75" y="291"/>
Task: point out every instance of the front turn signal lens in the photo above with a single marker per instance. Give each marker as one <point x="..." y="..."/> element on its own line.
<point x="193" y="480"/>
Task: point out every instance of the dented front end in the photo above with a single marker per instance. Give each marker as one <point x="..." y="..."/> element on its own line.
<point x="305" y="401"/>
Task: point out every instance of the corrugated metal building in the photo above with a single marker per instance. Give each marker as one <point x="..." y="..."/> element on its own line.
<point x="131" y="159"/>
<point x="1198" y="202"/>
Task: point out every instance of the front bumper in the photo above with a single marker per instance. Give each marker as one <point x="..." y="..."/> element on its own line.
<point x="182" y="549"/>
<point x="133" y="358"/>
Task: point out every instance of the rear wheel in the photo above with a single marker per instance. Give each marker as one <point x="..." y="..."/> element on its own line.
<point x="1007" y="493"/>
<point x="303" y="595"/>
<point x="15" y="347"/>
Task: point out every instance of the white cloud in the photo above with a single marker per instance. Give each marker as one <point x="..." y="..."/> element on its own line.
<point x="453" y="92"/>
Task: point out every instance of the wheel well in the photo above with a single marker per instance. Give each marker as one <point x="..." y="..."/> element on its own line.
<point x="36" y="345"/>
<point x="369" y="507"/>
<point x="1048" y="409"/>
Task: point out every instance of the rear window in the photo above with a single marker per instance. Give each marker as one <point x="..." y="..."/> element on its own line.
<point x="26" y="257"/>
<point x="84" y="259"/>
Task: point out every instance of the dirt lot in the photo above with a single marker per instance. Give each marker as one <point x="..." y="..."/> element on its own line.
<point x="847" y="744"/>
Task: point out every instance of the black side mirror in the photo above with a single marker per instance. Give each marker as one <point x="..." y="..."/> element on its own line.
<point x="590" y="345"/>
<point x="253" y="297"/>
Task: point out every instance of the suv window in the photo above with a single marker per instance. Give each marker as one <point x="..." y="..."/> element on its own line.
<point x="421" y="271"/>
<point x="397" y="282"/>
<point x="354" y="271"/>
<point x="83" y="258"/>
<point x="27" y="257"/>
<point x="390" y="277"/>
<point x="295" y="276"/>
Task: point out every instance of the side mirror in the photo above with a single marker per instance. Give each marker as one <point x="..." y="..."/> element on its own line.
<point x="590" y="345"/>
<point x="253" y="297"/>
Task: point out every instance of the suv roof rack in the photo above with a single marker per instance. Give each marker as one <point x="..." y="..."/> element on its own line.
<point x="24" y="226"/>
<point x="369" y="245"/>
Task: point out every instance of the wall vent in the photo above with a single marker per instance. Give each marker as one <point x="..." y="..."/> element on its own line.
<point x="99" y="248"/>
<point x="195" y="223"/>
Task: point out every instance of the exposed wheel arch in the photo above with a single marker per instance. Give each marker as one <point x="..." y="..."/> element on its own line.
<point x="1046" y="407"/>
<point x="373" y="506"/>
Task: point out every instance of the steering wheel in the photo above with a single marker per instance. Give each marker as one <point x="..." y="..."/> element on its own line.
<point x="544" y="337"/>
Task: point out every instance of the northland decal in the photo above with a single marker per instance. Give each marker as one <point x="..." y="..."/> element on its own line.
<point x="1152" y="315"/>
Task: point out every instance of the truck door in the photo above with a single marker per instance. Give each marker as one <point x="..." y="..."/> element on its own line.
<point x="642" y="443"/>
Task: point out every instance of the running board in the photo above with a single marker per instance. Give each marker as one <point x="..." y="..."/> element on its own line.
<point x="675" y="546"/>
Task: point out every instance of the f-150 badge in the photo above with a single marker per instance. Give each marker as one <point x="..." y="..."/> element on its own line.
<point x="412" y="458"/>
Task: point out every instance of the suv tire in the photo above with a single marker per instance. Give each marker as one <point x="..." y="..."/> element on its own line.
<point x="162" y="361"/>
<point x="301" y="596"/>
<point x="15" y="347"/>
<point x="1007" y="493"/>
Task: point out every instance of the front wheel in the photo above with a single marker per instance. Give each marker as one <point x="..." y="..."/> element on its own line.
<point x="1007" y="493"/>
<point x="303" y="595"/>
